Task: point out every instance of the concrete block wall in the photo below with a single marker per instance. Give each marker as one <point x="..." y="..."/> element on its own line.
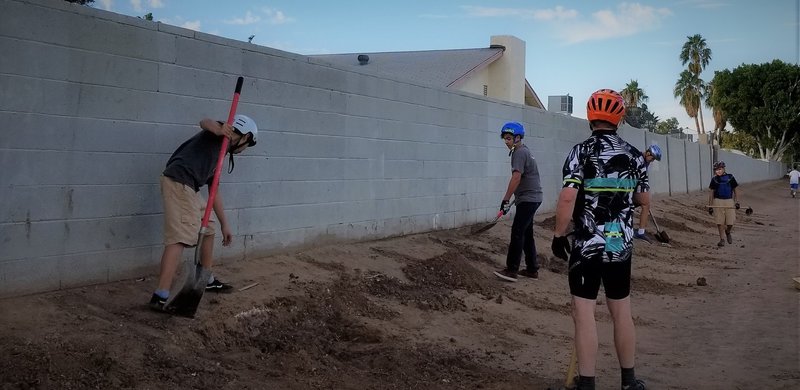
<point x="93" y="103"/>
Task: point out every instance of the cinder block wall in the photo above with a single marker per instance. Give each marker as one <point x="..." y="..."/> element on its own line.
<point x="93" y="103"/>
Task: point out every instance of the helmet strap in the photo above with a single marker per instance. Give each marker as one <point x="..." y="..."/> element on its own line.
<point x="230" y="162"/>
<point x="514" y="146"/>
<point x="231" y="148"/>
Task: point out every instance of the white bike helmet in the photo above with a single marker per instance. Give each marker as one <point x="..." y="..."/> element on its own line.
<point x="244" y="124"/>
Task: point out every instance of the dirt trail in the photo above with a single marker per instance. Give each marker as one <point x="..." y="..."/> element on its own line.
<point x="423" y="311"/>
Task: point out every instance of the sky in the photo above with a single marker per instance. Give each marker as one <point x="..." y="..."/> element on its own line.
<point x="572" y="47"/>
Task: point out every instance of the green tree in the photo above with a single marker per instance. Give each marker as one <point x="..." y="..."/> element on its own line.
<point x="720" y="119"/>
<point x="668" y="126"/>
<point x="641" y="117"/>
<point x="689" y="89"/>
<point x="636" y="113"/>
<point x="739" y="141"/>
<point x="697" y="54"/>
<point x="633" y="95"/>
<point x="762" y="101"/>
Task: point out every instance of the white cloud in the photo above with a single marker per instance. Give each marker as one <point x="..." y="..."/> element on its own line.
<point x="248" y="18"/>
<point x="107" y="4"/>
<point x="557" y="13"/>
<point x="275" y="16"/>
<point x="191" y="25"/>
<point x="628" y="19"/>
<point x="137" y="4"/>
<point x="705" y="4"/>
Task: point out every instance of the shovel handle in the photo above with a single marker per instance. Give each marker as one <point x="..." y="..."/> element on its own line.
<point x="212" y="191"/>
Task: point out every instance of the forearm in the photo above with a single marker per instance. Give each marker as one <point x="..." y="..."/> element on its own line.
<point x="219" y="210"/>
<point x="564" y="209"/>
<point x="512" y="185"/>
<point x="212" y="126"/>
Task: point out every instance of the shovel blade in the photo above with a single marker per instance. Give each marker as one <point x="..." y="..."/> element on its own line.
<point x="662" y="236"/>
<point x="185" y="302"/>
<point x="484" y="228"/>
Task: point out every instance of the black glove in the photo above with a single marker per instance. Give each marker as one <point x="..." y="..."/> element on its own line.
<point x="561" y="247"/>
<point x="710" y="211"/>
<point x="737" y="205"/>
<point x="505" y="206"/>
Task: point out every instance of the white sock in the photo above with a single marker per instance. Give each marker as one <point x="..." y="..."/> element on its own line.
<point x="641" y="231"/>
<point x="210" y="278"/>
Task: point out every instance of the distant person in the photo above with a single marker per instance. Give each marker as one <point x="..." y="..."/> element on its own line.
<point x="724" y="198"/>
<point x="794" y="179"/>
<point x="527" y="190"/>
<point x="653" y="153"/>
<point x="189" y="168"/>
<point x="604" y="177"/>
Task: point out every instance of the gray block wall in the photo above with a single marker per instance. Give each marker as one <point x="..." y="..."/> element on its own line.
<point x="93" y="103"/>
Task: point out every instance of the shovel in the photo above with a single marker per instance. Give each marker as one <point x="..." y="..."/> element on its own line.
<point x="661" y="235"/>
<point x="747" y="211"/>
<point x="185" y="301"/>
<point x="492" y="222"/>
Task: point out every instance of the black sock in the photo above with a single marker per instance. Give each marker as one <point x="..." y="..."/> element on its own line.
<point x="585" y="382"/>
<point x="628" y="377"/>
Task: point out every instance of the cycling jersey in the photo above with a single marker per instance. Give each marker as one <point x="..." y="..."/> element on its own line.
<point x="607" y="171"/>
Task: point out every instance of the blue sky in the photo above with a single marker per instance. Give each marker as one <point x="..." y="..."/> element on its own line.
<point x="572" y="47"/>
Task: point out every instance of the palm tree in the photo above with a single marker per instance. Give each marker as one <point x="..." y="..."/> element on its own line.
<point x="689" y="89"/>
<point x="697" y="54"/>
<point x="633" y="95"/>
<point x="720" y="119"/>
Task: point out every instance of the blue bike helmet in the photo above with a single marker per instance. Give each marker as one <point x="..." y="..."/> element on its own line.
<point x="655" y="151"/>
<point x="513" y="128"/>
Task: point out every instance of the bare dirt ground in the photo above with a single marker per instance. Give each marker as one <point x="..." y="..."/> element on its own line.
<point x="425" y="312"/>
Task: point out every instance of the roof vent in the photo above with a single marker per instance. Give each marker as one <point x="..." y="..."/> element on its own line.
<point x="363" y="59"/>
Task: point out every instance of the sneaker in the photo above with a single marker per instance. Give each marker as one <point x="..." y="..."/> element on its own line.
<point x="642" y="237"/>
<point x="217" y="286"/>
<point x="506" y="275"/>
<point x="721" y="243"/>
<point x="157" y="303"/>
<point x="529" y="274"/>
<point x="729" y="238"/>
<point x="637" y="385"/>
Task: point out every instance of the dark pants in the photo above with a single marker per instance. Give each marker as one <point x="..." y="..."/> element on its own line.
<point x="522" y="238"/>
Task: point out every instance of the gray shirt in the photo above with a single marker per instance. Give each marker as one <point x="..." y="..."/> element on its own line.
<point x="194" y="162"/>
<point x="529" y="188"/>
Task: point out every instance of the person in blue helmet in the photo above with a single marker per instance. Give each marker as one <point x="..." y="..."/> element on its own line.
<point x="527" y="190"/>
<point x="653" y="153"/>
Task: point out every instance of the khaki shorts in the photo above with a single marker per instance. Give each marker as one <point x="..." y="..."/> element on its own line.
<point x="183" y="213"/>
<point x="724" y="216"/>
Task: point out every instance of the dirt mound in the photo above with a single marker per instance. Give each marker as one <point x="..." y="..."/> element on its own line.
<point x="425" y="312"/>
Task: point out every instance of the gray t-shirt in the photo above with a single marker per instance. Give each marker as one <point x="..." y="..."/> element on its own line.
<point x="193" y="163"/>
<point x="530" y="188"/>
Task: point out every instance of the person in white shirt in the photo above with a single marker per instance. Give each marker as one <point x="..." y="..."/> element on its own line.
<point x="794" y="179"/>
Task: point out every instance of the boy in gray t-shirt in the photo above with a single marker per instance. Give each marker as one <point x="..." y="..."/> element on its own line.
<point x="524" y="185"/>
